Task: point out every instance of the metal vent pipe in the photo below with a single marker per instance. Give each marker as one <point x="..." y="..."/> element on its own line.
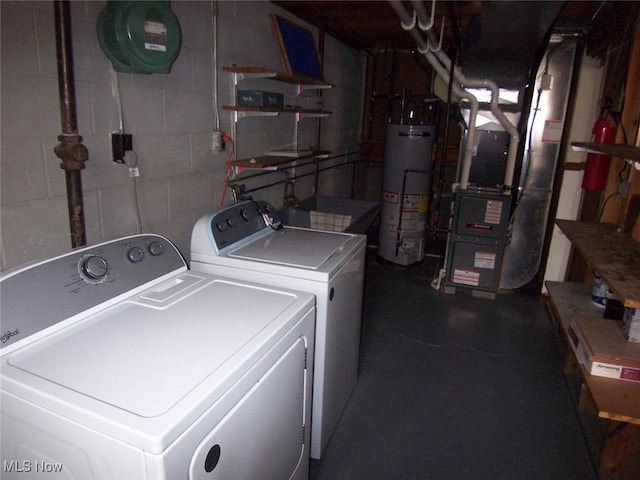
<point x="70" y="149"/>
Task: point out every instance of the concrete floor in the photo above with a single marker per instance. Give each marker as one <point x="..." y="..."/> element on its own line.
<point x="455" y="387"/>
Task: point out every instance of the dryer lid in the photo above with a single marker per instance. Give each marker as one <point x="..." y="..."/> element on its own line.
<point x="300" y="248"/>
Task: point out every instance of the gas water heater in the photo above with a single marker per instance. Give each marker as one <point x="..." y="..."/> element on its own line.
<point x="406" y="180"/>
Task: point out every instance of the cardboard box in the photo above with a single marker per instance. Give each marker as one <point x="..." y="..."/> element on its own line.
<point x="601" y="347"/>
<point x="631" y="324"/>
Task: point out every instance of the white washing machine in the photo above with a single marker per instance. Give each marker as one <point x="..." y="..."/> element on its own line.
<point x="119" y="363"/>
<point x="247" y="241"/>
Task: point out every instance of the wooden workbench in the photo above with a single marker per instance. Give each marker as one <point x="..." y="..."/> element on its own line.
<point x="616" y="258"/>
<point x="618" y="401"/>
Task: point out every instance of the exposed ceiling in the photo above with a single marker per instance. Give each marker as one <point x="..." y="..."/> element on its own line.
<point x="373" y="25"/>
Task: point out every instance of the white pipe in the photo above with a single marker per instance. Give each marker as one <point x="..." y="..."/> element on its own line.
<point x="509" y="127"/>
<point x="470" y="144"/>
<point x="439" y="59"/>
<point x="409" y="24"/>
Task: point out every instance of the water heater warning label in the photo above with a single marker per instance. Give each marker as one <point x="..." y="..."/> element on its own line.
<point x="409" y="211"/>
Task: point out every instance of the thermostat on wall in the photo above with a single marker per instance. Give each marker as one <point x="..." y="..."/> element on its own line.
<point x="139" y="37"/>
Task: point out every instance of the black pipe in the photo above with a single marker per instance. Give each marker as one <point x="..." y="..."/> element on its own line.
<point x="371" y="74"/>
<point x="70" y="149"/>
<point x="456" y="50"/>
<point x="300" y="165"/>
<point x="297" y="177"/>
<point x="66" y="84"/>
<point x="445" y="140"/>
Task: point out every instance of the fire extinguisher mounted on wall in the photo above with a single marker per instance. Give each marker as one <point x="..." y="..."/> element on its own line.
<point x="597" y="166"/>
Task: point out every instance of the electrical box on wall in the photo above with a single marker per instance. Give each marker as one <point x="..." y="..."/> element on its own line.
<point x="139" y="37"/>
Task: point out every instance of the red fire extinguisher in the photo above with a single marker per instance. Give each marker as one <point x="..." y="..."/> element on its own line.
<point x="597" y="167"/>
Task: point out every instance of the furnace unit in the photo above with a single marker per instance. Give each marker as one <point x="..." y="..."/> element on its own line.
<point x="477" y="241"/>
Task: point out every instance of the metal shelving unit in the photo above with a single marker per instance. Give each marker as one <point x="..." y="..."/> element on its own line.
<point x="302" y="83"/>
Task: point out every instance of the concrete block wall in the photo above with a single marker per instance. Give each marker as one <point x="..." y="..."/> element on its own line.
<point x="170" y="117"/>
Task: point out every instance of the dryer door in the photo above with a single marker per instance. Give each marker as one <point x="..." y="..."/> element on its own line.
<point x="263" y="435"/>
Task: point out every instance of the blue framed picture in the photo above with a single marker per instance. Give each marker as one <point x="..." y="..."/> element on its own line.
<point x="297" y="48"/>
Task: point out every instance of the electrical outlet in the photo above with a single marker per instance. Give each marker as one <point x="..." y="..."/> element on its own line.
<point x="120" y="144"/>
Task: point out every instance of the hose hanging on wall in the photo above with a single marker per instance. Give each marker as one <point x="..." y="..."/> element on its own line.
<point x="70" y="149"/>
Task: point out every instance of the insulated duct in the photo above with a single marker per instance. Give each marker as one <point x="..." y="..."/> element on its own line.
<point x="70" y="149"/>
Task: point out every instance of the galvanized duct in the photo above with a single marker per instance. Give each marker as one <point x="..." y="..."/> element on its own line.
<point x="70" y="149"/>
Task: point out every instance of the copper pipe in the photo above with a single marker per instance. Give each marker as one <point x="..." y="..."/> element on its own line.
<point x="70" y="149"/>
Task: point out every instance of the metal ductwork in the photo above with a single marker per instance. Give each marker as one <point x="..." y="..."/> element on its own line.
<point x="502" y="50"/>
<point x="504" y="41"/>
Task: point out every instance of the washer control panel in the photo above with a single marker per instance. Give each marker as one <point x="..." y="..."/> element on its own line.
<point x="43" y="294"/>
<point x="236" y="222"/>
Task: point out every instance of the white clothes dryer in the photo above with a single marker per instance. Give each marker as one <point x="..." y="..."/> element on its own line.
<point x="119" y="363"/>
<point x="247" y="241"/>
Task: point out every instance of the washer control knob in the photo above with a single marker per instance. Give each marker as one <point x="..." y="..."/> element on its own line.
<point x="245" y="214"/>
<point x="156" y="248"/>
<point x="231" y="221"/>
<point x="94" y="268"/>
<point x="221" y="226"/>
<point x="135" y="254"/>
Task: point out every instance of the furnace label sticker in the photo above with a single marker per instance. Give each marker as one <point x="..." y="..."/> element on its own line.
<point x="485" y="260"/>
<point x="466" y="277"/>
<point x="493" y="213"/>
